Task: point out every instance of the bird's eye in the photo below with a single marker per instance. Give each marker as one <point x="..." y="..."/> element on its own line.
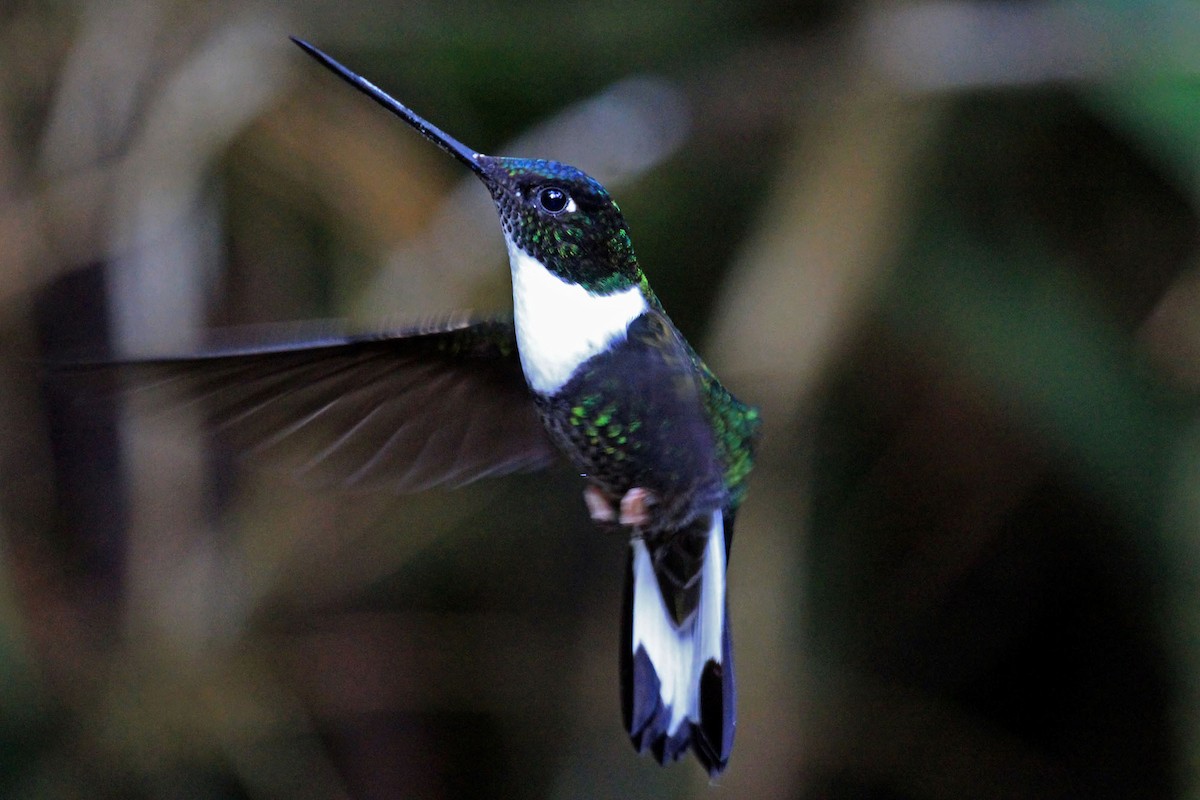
<point x="554" y="200"/>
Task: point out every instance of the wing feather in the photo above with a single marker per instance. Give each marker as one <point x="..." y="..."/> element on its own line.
<point x="441" y="404"/>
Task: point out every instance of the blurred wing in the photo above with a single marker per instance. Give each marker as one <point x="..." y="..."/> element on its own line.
<point x="444" y="404"/>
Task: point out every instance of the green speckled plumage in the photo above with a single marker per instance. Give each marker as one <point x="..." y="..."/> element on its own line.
<point x="591" y="248"/>
<point x="736" y="427"/>
<point x="650" y="413"/>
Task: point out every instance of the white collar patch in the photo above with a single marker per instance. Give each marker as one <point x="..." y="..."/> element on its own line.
<point x="560" y="325"/>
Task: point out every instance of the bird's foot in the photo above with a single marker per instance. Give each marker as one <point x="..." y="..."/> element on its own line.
<point x="599" y="506"/>
<point x="633" y="511"/>
<point x="636" y="506"/>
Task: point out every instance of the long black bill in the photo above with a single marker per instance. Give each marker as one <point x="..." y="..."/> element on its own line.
<point x="430" y="131"/>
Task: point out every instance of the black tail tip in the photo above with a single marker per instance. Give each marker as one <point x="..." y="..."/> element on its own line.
<point x="648" y="720"/>
<point x="669" y="748"/>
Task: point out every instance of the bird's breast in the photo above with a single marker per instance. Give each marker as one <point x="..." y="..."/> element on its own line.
<point x="560" y="324"/>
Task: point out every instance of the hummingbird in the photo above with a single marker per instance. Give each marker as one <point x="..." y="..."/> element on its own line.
<point x="588" y="367"/>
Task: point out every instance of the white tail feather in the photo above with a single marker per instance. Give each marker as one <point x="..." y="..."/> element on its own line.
<point x="679" y="654"/>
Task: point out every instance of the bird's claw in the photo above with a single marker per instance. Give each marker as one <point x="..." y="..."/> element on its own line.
<point x="636" y="506"/>
<point x="633" y="510"/>
<point x="599" y="506"/>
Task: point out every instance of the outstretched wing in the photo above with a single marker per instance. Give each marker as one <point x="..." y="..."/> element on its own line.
<point x="441" y="404"/>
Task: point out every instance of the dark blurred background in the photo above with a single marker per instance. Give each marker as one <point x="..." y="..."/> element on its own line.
<point x="949" y="247"/>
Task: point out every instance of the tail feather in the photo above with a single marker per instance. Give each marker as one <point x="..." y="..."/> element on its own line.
<point x="677" y="680"/>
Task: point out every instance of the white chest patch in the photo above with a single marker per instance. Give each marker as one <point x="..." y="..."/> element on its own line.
<point x="560" y="325"/>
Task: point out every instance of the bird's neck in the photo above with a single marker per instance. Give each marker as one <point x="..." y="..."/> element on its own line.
<point x="560" y="324"/>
